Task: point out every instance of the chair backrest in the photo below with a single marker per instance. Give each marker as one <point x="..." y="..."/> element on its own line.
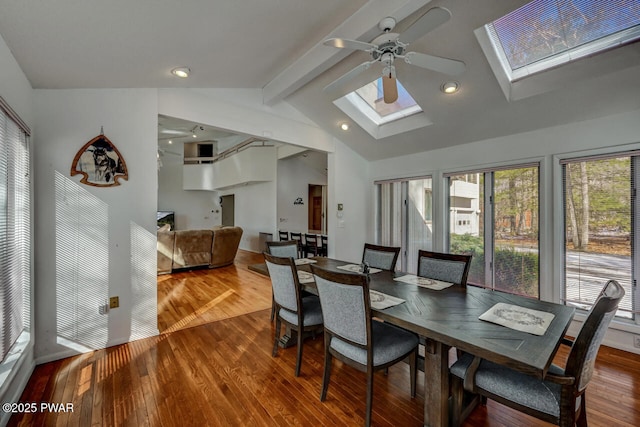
<point x="311" y="239"/>
<point x="284" y="281"/>
<point x="452" y="268"/>
<point x="283" y="235"/>
<point x="382" y="257"/>
<point x="345" y="297"/>
<point x="287" y="249"/>
<point x="582" y="357"/>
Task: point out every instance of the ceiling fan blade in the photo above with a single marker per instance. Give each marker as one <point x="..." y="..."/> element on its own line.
<point x="390" y="88"/>
<point x="348" y="76"/>
<point x="350" y="44"/>
<point x="432" y="19"/>
<point x="436" y="63"/>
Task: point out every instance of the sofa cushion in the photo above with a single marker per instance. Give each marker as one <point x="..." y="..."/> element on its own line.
<point x="224" y="246"/>
<point x="192" y="248"/>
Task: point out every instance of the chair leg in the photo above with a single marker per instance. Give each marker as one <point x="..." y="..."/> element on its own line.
<point x="277" y="338"/>
<point x="413" y="362"/>
<point x="299" y="354"/>
<point x="327" y="370"/>
<point x="273" y="309"/>
<point x="367" y="421"/>
<point x="582" y="417"/>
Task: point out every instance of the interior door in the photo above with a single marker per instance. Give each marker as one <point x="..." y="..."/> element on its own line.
<point x="228" y="210"/>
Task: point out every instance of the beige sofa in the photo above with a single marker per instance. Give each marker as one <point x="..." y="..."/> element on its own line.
<point x="197" y="248"/>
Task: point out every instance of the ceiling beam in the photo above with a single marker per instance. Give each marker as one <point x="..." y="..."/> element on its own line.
<point x="362" y="25"/>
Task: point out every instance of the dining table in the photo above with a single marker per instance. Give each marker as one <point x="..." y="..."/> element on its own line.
<point x="450" y="317"/>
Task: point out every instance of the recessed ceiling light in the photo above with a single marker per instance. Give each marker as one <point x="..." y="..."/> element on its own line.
<point x="182" y="72"/>
<point x="170" y="142"/>
<point x="450" y="87"/>
<point x="344" y="126"/>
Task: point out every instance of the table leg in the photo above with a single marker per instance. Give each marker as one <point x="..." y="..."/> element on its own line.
<point x="436" y="384"/>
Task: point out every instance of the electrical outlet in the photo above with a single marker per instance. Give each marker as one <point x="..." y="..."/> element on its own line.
<point x="636" y="341"/>
<point x="114" y="302"/>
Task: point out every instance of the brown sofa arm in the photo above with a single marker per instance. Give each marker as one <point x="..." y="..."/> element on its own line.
<point x="165" y="244"/>
<point x="225" y="246"/>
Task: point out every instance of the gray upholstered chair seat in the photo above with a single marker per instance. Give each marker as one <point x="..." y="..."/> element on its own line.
<point x="311" y="309"/>
<point x="520" y="388"/>
<point x="389" y="343"/>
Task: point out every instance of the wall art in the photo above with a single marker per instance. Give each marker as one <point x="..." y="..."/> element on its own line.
<point x="100" y="163"/>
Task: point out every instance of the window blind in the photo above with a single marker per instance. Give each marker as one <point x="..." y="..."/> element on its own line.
<point x="15" y="228"/>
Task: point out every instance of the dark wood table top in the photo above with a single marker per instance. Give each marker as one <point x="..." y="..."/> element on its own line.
<point x="450" y="316"/>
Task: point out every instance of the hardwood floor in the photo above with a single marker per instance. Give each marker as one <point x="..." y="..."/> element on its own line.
<point x="212" y="366"/>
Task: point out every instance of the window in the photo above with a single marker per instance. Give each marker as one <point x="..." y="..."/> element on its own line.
<point x="404" y="218"/>
<point x="600" y="219"/>
<point x="493" y="216"/>
<point x="15" y="229"/>
<point x="546" y="33"/>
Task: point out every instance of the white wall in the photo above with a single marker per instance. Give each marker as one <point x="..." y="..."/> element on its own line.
<point x="193" y="208"/>
<point x="617" y="132"/>
<point x="113" y="250"/>
<point x="255" y="212"/>
<point x="294" y="177"/>
<point x="17" y="92"/>
<point x="349" y="184"/>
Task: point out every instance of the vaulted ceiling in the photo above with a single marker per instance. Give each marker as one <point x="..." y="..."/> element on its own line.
<point x="276" y="45"/>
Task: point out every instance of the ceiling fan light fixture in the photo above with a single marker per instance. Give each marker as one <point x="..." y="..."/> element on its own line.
<point x="450" y="87"/>
<point x="182" y="72"/>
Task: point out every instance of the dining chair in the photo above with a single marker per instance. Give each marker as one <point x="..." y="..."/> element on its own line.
<point x="353" y="337"/>
<point x="287" y="249"/>
<point x="452" y="268"/>
<point x="382" y="257"/>
<point x="302" y="314"/>
<point x="323" y="249"/>
<point x="310" y="244"/>
<point x="560" y="397"/>
<point x="298" y="238"/>
<point x="283" y="235"/>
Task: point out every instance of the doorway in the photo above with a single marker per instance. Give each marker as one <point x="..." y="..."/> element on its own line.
<point x="317" y="209"/>
<point x="227" y="204"/>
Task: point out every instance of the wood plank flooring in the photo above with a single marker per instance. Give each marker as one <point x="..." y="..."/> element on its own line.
<point x="212" y="366"/>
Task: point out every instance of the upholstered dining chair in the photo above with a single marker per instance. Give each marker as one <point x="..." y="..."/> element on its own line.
<point x="558" y="398"/>
<point x="352" y="336"/>
<point x="286" y="249"/>
<point x="382" y="257"/>
<point x="302" y="314"/>
<point x="452" y="268"/>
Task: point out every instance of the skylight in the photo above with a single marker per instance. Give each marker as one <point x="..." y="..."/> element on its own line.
<point x="546" y="33"/>
<point x="368" y="99"/>
<point x="367" y="108"/>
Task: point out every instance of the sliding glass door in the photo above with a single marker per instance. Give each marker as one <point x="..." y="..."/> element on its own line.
<point x="405" y="218"/>
<point x="493" y="215"/>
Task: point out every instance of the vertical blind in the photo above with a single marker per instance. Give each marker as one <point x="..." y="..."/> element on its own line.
<point x="15" y="228"/>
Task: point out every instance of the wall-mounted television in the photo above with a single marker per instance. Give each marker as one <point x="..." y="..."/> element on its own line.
<point x="167" y="217"/>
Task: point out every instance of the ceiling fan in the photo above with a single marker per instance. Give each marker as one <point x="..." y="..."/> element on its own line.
<point x="390" y="46"/>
